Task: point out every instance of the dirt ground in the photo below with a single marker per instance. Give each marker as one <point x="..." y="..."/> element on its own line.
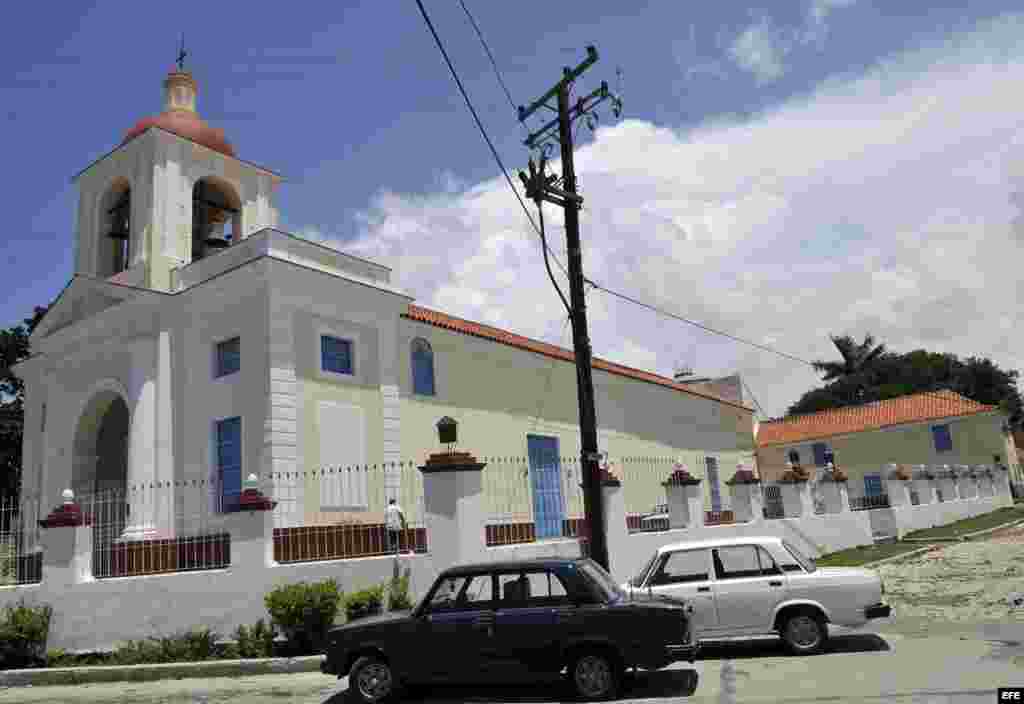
<point x="969" y="582"/>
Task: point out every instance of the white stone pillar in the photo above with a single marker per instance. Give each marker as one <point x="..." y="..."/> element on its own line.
<point x="923" y="486"/>
<point x="67" y="547"/>
<point x="142" y="443"/>
<point x="833" y="493"/>
<point x="454" y="509"/>
<point x="746" y="502"/>
<point x="678" y="506"/>
<point x="796" y="499"/>
<point x="252" y="535"/>
<point x="279" y="459"/>
<point x="616" y="532"/>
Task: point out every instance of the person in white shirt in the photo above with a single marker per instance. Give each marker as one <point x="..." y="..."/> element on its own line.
<point x="395" y="522"/>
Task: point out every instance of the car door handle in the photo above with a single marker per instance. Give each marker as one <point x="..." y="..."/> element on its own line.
<point x="774" y="583"/>
<point x="703" y="589"/>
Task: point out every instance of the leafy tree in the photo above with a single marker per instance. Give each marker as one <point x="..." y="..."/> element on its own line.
<point x="13" y="349"/>
<point x="869" y="373"/>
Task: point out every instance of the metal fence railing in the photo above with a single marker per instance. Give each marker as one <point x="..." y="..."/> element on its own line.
<point x="866" y="503"/>
<point x="338" y="513"/>
<point x="21" y="556"/>
<point x="915" y="498"/>
<point x="158" y="527"/>
<point x="772" y="507"/>
<point x="523" y="506"/>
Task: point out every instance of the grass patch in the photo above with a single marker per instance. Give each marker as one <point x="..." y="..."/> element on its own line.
<point x="1006" y="514"/>
<point x="855" y="557"/>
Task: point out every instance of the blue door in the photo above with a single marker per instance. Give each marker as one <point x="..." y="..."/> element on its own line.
<point x="872" y="484"/>
<point x="229" y="462"/>
<point x="546" y="482"/>
<point x="716" y="491"/>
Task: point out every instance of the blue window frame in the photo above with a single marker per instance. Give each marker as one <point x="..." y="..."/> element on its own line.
<point x="422" y="368"/>
<point x="716" y="491"/>
<point x="229" y="356"/>
<point x="942" y="438"/>
<point x="546" y="481"/>
<point x="229" y="462"/>
<point x="335" y="355"/>
<point x="819" y="453"/>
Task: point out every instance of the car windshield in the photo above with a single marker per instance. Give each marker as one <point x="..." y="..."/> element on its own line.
<point x="805" y="562"/>
<point x="638" y="581"/>
<point x="601" y="578"/>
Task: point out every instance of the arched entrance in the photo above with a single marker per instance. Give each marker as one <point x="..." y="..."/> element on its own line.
<point x="100" y="469"/>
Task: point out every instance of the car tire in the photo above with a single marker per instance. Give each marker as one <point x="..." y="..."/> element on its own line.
<point x="595" y="675"/>
<point x="371" y="681"/>
<point x="804" y="632"/>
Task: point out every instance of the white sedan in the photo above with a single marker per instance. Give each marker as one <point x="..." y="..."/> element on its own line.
<point x="761" y="586"/>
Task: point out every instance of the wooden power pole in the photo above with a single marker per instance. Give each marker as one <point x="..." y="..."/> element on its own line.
<point x="543" y="188"/>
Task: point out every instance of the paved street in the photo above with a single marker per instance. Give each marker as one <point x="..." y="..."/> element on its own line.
<point x="954" y="638"/>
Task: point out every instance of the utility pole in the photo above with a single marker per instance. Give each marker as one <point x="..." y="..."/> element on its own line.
<point x="540" y="187"/>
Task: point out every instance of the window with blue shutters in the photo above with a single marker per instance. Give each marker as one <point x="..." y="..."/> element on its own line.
<point x="819" y="453"/>
<point x="422" y="368"/>
<point x="942" y="438"/>
<point x="229" y="462"/>
<point x="229" y="356"/>
<point x="335" y="355"/>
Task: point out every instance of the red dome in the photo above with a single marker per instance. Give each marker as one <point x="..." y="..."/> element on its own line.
<point x="187" y="124"/>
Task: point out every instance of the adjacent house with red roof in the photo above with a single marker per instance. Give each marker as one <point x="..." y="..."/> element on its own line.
<point x="933" y="428"/>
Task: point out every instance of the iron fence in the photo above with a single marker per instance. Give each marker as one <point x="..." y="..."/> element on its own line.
<point x="938" y="495"/>
<point x="772" y="506"/>
<point x="523" y="505"/>
<point x="915" y="498"/>
<point x="158" y="527"/>
<point x="21" y="555"/>
<point x="866" y="503"/>
<point x="336" y="513"/>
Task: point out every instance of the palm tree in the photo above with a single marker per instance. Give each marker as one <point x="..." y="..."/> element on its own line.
<point x="857" y="360"/>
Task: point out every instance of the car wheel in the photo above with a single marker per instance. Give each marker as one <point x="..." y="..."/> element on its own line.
<point x="370" y="681"/>
<point x="595" y="675"/>
<point x="804" y="633"/>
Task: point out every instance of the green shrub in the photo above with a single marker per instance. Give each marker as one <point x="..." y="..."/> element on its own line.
<point x="23" y="633"/>
<point x="304" y="612"/>
<point x="190" y="646"/>
<point x="398" y="593"/>
<point x="256" y="641"/>
<point x="364" y="602"/>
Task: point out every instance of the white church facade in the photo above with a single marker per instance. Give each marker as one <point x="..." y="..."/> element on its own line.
<point x="196" y="341"/>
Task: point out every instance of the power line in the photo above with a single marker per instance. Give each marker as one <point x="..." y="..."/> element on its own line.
<point x="490" y="56"/>
<point x="483" y="132"/>
<point x="766" y="348"/>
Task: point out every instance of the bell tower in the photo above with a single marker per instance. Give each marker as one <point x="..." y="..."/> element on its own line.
<point x="171" y="193"/>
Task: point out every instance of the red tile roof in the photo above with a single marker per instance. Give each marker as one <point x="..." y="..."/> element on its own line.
<point x="468" y="327"/>
<point x="871" y="416"/>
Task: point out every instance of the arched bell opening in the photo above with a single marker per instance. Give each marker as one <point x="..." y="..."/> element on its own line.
<point x="115" y="229"/>
<point x="216" y="217"/>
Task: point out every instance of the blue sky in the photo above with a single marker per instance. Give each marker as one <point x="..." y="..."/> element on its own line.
<point x="697" y="200"/>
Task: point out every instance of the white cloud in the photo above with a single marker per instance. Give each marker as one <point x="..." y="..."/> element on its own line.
<point x="762" y="48"/>
<point x="877" y="204"/>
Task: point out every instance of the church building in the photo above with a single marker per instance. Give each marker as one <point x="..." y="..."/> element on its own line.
<point x="196" y="341"/>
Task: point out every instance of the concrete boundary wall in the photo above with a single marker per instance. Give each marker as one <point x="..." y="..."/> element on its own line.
<point x="96" y="614"/>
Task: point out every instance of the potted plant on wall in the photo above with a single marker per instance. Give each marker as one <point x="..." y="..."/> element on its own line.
<point x="794" y="472"/>
<point x="681" y="476"/>
<point x="743" y="476"/>
<point x="900" y="472"/>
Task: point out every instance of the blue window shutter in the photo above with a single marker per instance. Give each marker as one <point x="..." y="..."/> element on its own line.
<point x="819" y="453"/>
<point x="335" y="355"/>
<point x="229" y="461"/>
<point x="422" y="368"/>
<point x="942" y="438"/>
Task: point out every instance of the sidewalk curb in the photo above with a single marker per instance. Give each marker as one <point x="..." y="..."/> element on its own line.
<point x="901" y="556"/>
<point x="48" y="677"/>
<point x="939" y="541"/>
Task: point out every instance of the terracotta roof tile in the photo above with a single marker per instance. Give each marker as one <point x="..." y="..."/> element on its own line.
<point x="487" y="332"/>
<point x="880" y="414"/>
